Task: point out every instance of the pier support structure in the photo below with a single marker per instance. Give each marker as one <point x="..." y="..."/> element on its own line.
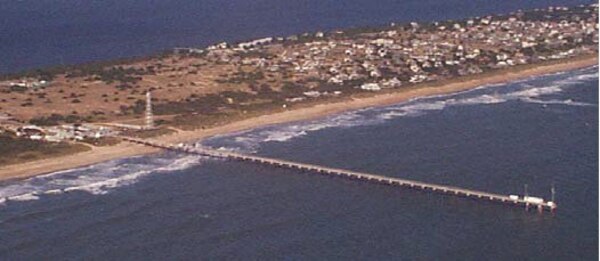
<point x="359" y="176"/>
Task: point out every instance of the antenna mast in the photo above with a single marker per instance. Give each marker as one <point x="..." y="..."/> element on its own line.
<point x="149" y="115"/>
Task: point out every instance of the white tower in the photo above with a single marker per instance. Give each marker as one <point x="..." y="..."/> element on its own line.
<point x="149" y="115"/>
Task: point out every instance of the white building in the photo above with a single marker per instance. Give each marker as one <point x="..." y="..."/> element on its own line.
<point x="370" y="87"/>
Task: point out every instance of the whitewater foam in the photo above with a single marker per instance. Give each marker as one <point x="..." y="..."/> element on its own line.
<point x="567" y="102"/>
<point x="97" y="179"/>
<point x="24" y="197"/>
<point x="518" y="91"/>
<point x="53" y="192"/>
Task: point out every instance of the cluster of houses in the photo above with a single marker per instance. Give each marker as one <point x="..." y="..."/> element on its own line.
<point x="28" y="83"/>
<point x="414" y="53"/>
<point x="340" y="62"/>
<point x="66" y="132"/>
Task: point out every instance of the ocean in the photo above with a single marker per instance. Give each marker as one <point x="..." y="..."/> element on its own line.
<point x="541" y="131"/>
<point x="39" y="33"/>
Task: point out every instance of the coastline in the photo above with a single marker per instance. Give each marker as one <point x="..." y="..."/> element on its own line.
<point x="101" y="154"/>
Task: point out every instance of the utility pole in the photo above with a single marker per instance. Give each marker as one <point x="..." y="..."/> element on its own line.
<point x="525" y="196"/>
<point x="553" y="206"/>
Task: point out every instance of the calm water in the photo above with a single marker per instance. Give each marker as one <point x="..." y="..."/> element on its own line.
<point x="539" y="131"/>
<point x="36" y="33"/>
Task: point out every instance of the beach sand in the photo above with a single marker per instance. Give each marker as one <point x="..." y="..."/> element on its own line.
<point x="100" y="154"/>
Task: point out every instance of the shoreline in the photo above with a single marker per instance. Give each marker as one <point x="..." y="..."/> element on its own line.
<point x="101" y="154"/>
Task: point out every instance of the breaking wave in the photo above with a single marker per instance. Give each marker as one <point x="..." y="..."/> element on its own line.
<point x="568" y="102"/>
<point x="96" y="179"/>
<point x="24" y="197"/>
<point x="535" y="90"/>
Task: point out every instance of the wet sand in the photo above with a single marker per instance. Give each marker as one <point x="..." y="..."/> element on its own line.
<point x="100" y="154"/>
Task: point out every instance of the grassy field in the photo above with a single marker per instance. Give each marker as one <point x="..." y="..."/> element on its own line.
<point x="14" y="150"/>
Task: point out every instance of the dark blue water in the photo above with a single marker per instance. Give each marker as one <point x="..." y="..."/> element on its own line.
<point x="35" y="33"/>
<point x="540" y="131"/>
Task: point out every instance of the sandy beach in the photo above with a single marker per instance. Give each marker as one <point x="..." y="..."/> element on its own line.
<point x="100" y="154"/>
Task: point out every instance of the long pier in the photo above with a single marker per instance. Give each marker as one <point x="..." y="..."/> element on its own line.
<point x="527" y="202"/>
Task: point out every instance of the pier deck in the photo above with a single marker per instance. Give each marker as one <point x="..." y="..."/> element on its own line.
<point x="441" y="189"/>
